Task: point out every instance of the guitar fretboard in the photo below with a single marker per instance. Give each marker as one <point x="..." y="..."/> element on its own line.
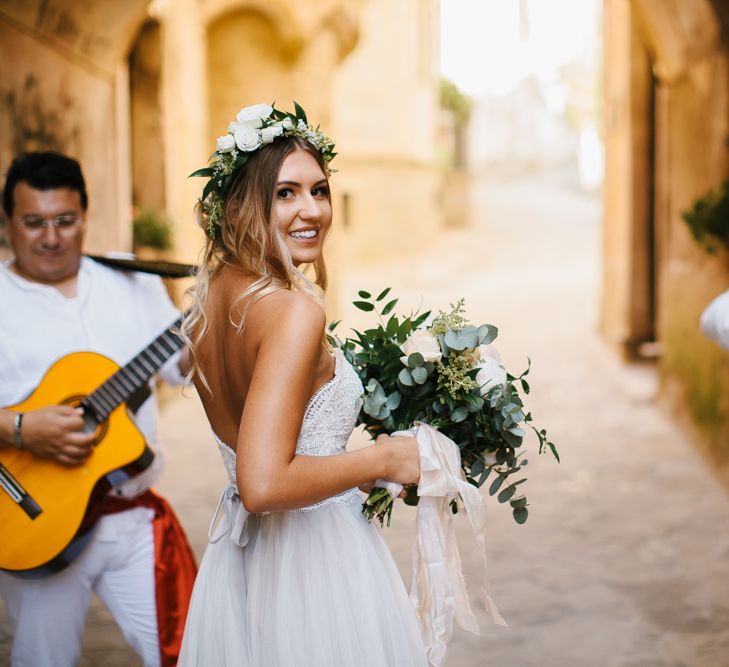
<point x="135" y="374"/>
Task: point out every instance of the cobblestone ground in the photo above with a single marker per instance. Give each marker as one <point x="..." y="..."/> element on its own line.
<point x="624" y="561"/>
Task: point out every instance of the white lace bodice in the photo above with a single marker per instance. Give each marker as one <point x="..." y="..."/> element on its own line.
<point x="330" y="416"/>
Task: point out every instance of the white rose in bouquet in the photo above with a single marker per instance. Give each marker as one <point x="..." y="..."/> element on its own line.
<point x="253" y="115"/>
<point x="490" y="374"/>
<point x="424" y="342"/>
<point x="247" y="138"/>
<point x="226" y="143"/>
<point x="486" y="352"/>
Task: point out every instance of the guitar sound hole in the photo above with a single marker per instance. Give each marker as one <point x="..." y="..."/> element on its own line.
<point x="90" y="423"/>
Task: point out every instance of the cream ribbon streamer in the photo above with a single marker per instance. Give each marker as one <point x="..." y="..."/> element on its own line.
<point x="234" y="522"/>
<point x="437" y="587"/>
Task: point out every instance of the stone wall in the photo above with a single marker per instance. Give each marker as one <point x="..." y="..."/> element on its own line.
<point x="667" y="131"/>
<point x="61" y="88"/>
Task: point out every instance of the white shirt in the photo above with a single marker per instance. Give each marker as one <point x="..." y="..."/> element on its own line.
<point x="114" y="313"/>
<point x="715" y="320"/>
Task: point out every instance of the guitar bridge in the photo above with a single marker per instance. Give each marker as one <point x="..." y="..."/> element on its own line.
<point x="18" y="494"/>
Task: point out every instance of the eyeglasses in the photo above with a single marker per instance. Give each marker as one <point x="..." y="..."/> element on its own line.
<point x="64" y="224"/>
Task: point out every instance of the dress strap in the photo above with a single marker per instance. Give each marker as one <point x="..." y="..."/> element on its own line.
<point x="234" y="521"/>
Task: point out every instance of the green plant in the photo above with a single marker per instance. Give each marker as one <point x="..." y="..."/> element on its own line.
<point x="708" y="218"/>
<point x="152" y="229"/>
<point x="453" y="100"/>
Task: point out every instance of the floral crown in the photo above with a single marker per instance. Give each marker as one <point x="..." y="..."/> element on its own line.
<point x="254" y="126"/>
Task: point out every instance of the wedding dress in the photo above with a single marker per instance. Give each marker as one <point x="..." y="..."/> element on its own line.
<point x="312" y="587"/>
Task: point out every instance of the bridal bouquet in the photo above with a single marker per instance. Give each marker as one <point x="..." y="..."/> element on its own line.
<point x="448" y="375"/>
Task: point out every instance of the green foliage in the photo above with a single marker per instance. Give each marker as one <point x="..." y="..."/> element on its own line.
<point x="152" y="229"/>
<point x="455" y="101"/>
<point x="708" y="218"/>
<point x="444" y="394"/>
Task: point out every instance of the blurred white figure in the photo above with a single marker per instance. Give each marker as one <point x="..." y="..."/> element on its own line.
<point x="715" y="320"/>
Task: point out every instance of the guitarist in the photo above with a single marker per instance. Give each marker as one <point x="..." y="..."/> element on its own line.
<point x="56" y="302"/>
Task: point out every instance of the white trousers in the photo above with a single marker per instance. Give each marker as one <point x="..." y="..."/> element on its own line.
<point x="47" y="615"/>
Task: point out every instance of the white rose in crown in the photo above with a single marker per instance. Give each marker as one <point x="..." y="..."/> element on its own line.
<point x="424" y="342"/>
<point x="226" y="143"/>
<point x="254" y="115"/>
<point x="268" y="134"/>
<point x="490" y="371"/>
<point x="247" y="138"/>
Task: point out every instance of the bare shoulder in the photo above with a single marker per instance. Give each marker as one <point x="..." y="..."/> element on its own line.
<point x="286" y="314"/>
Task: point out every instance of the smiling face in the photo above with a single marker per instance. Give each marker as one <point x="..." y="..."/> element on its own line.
<point x="302" y="210"/>
<point x="51" y="254"/>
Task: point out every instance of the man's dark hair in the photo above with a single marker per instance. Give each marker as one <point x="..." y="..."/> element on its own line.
<point x="44" y="170"/>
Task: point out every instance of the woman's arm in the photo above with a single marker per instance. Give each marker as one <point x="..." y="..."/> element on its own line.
<point x="270" y="475"/>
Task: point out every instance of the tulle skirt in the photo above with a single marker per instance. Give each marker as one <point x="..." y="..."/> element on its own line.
<point x="312" y="588"/>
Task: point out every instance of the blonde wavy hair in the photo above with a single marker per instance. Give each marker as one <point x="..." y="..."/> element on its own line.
<point x="249" y="240"/>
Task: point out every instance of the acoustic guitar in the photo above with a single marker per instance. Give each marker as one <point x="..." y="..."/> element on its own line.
<point x="47" y="510"/>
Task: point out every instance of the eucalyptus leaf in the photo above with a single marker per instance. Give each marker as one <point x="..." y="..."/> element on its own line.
<point x="521" y="514"/>
<point x="415" y="360"/>
<point x="477" y="467"/>
<point x="459" y="414"/>
<point x="391" y="328"/>
<point x="496" y="485"/>
<point x="363" y="305"/>
<point x="421" y="318"/>
<point x="507" y="493"/>
<point x="420" y="375"/>
<point x="555" y="453"/>
<point x="389" y="306"/>
<point x="406" y="378"/>
<point x="454" y="341"/>
<point x="384" y="413"/>
<point x="393" y="400"/>
<point x="382" y="294"/>
<point x="487" y="334"/>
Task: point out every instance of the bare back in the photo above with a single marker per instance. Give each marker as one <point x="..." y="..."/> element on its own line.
<point x="227" y="357"/>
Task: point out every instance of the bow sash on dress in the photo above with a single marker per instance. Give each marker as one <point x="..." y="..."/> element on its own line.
<point x="234" y="521"/>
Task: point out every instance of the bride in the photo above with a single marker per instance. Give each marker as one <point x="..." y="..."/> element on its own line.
<point x="293" y="574"/>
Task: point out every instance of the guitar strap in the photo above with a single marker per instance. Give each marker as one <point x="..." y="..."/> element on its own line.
<point x="130" y="262"/>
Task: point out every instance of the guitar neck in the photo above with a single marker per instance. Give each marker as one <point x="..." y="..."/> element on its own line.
<point x="135" y="374"/>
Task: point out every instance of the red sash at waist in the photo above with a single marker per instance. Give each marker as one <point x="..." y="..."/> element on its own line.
<point x="174" y="569"/>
